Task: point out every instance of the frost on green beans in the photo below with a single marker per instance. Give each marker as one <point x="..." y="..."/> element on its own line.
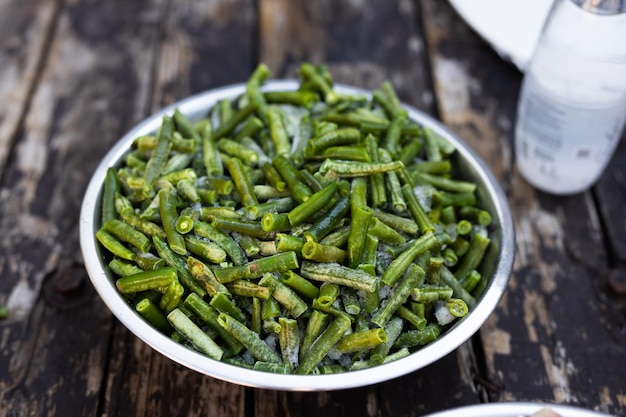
<point x="220" y="219"/>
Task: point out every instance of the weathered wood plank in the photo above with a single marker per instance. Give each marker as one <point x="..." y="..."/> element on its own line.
<point x="93" y="86"/>
<point x="203" y="45"/>
<point x="25" y="28"/>
<point x="363" y="44"/>
<point x="611" y="196"/>
<point x="556" y="300"/>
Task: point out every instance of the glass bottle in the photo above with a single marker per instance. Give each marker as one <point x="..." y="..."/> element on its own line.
<point x="572" y="105"/>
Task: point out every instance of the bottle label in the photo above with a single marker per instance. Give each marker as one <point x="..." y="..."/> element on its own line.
<point x="565" y="142"/>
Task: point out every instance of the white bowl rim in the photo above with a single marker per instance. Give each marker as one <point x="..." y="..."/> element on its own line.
<point x="515" y="409"/>
<point x="448" y="342"/>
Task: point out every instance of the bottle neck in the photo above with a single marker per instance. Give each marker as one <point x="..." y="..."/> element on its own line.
<point x="602" y="7"/>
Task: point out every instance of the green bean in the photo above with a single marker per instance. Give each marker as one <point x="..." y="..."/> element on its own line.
<point x="224" y="304"/>
<point x="273" y="177"/>
<point x="359" y="224"/>
<point x="445" y="184"/>
<point x="430" y="294"/>
<point x="246" y="288"/>
<point x="184" y="126"/>
<point x="393" y="328"/>
<point x="316" y="202"/>
<point x="384" y="233"/>
<point x="359" y="341"/>
<point x="402" y="262"/>
<point x="338" y="238"/>
<point x="471" y="280"/>
<point x="169" y="215"/>
<point x="350" y="301"/>
<point x="172" y="296"/>
<point x="205" y="277"/>
<point x="289" y="173"/>
<point x="249" y="339"/>
<point x="348" y="153"/>
<point x="242" y="182"/>
<point x="145" y="226"/>
<point x="111" y="188"/>
<point x="298" y="98"/>
<point x="153" y="315"/>
<point x="458" y="291"/>
<point x="338" y="274"/>
<point x="299" y="284"/>
<point x="280" y="205"/>
<point x="226" y="242"/>
<point x="457" y="307"/>
<point x="147" y="261"/>
<point x="431" y="146"/>
<point x="253" y="90"/>
<point x="473" y="257"/>
<point x="277" y="131"/>
<point x="409" y="152"/>
<point x="127" y="233"/>
<point x="193" y="333"/>
<point x="256" y="311"/>
<point x="289" y="340"/>
<point x="270" y="308"/>
<point x="314" y="251"/>
<point x="343" y="136"/>
<point x="123" y="269"/>
<point x="209" y="315"/>
<point x="250" y="228"/>
<point x="414" y="338"/>
<point x="392" y="138"/>
<point x="308" y="72"/>
<point x="174" y="260"/>
<point x="316" y="324"/>
<point x="357" y="169"/>
<point x="434" y="270"/>
<point x="210" y="251"/>
<point x="237" y="150"/>
<point x="325" y="224"/>
<point x="322" y="345"/>
<point x="284" y="295"/>
<point x="328" y="293"/>
<point x="114" y="246"/>
<point x="161" y="151"/>
<point x="275" y="222"/>
<point x="281" y="262"/>
<point x="146" y="280"/>
<point x="398" y="223"/>
<point x="239" y="116"/>
<point x="417" y="211"/>
<point x="482" y="217"/>
<point x="287" y="243"/>
<point x="400" y="294"/>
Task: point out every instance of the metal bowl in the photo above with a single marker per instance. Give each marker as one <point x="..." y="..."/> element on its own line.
<point x="496" y="267"/>
<point x="515" y="409"/>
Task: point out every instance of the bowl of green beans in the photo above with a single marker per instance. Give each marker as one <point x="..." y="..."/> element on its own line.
<point x="300" y="228"/>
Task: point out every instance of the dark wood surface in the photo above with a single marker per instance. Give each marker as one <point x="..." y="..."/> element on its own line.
<point x="76" y="74"/>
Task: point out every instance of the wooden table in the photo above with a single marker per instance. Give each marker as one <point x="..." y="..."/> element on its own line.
<point x="76" y="74"/>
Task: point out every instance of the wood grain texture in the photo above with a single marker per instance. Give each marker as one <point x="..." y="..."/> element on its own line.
<point x="92" y="88"/>
<point x="204" y="45"/>
<point x="363" y="44"/>
<point x="25" y="29"/>
<point x="191" y="57"/>
<point x="557" y="299"/>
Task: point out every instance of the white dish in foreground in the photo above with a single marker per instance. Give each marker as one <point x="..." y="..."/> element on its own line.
<point x="515" y="410"/>
<point x="512" y="27"/>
